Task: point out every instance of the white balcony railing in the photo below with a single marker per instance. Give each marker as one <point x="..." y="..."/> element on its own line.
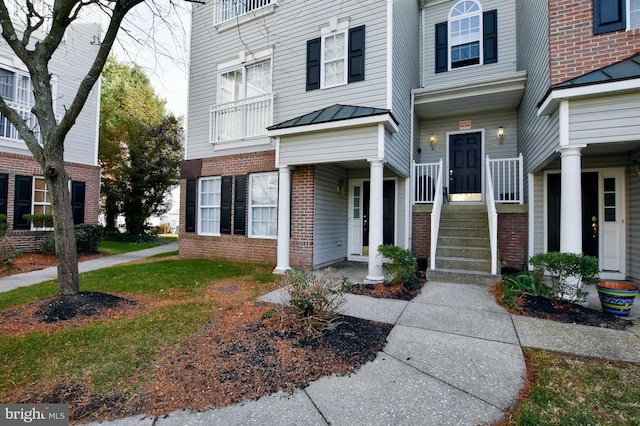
<point x="7" y="130"/>
<point x="230" y="9"/>
<point x="508" y="179"/>
<point x="241" y="119"/>
<point x="492" y="215"/>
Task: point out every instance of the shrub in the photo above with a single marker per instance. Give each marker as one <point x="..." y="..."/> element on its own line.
<point x="403" y="265"/>
<point x="516" y="286"/>
<point x="3" y="225"/>
<point x="88" y="237"/>
<point x="133" y="238"/>
<point x="8" y="251"/>
<point x="314" y="298"/>
<point x="564" y="268"/>
<point x="39" y="220"/>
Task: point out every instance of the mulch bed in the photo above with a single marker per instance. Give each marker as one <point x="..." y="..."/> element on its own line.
<point x="402" y="291"/>
<point x="83" y="304"/>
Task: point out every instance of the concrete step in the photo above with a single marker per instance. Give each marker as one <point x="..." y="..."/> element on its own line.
<point x="460" y="250"/>
<point x="462" y="277"/>
<point x="463" y="264"/>
<point x="464" y="223"/>
<point x="455" y="231"/>
<point x="463" y="241"/>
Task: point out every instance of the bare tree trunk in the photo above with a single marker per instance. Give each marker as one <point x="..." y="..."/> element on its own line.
<point x="65" y="239"/>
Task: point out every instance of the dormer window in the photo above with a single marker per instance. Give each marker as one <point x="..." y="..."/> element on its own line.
<point x="465" y="28"/>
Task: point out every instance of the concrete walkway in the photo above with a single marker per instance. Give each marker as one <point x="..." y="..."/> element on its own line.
<point x="453" y="357"/>
<point x="51" y="273"/>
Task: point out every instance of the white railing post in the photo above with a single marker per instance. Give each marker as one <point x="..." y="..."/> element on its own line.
<point x="435" y="216"/>
<point x="521" y="174"/>
<point x="493" y="219"/>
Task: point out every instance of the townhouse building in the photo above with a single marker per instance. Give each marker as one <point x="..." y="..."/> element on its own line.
<point x="318" y="131"/>
<point x="22" y="186"/>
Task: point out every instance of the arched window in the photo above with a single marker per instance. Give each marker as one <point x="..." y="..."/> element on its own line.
<point x="465" y="34"/>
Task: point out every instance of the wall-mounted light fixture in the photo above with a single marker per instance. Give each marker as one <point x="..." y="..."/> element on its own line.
<point x="500" y="134"/>
<point x="341" y="187"/>
<point x="433" y="141"/>
<point x="635" y="164"/>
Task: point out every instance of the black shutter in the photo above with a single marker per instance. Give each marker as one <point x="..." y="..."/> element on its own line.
<point x="240" y="206"/>
<point x="225" y="205"/>
<point x="190" y="213"/>
<point x="4" y="192"/>
<point x="77" y="201"/>
<point x="22" y="202"/>
<point x="313" y="64"/>
<point x="356" y="54"/>
<point x="442" y="48"/>
<point x="490" y="36"/>
<point x="608" y="16"/>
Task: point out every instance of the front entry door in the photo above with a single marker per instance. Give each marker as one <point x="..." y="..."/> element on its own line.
<point x="602" y="222"/>
<point x="465" y="167"/>
<point x="359" y="216"/>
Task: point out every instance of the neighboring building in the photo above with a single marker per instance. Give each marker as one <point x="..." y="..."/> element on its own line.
<point x="318" y="131"/>
<point x="579" y="128"/>
<point x="22" y="187"/>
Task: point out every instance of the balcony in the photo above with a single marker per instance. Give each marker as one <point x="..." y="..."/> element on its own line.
<point x="241" y="119"/>
<point x="233" y="9"/>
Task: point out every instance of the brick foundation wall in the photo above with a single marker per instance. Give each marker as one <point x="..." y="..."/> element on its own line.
<point x="421" y="235"/>
<point x="575" y="50"/>
<point x="512" y="240"/>
<point x="24" y="165"/>
<point x="241" y="247"/>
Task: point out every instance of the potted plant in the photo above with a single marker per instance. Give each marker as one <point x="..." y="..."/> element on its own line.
<point x="616" y="298"/>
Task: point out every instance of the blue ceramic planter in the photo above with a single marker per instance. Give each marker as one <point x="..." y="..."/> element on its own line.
<point x="616" y="298"/>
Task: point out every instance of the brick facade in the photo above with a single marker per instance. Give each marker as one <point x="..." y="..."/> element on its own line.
<point x="421" y="236"/>
<point x="241" y="247"/>
<point x="512" y="240"/>
<point x="24" y="165"/>
<point x="574" y="50"/>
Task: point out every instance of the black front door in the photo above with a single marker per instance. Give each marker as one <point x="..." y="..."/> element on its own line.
<point x="589" y="217"/>
<point x="388" y="212"/>
<point x="465" y="169"/>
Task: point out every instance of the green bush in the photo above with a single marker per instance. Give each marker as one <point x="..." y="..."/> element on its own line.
<point x="3" y="225"/>
<point x="133" y="238"/>
<point x="516" y="286"/>
<point x="88" y="237"/>
<point x="39" y="220"/>
<point x="562" y="267"/>
<point x="403" y="265"/>
<point x="314" y="298"/>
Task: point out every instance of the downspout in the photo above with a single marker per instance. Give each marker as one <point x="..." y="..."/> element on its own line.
<point x="410" y="192"/>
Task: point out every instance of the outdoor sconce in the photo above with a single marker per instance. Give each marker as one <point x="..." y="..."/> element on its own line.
<point x="341" y="187"/>
<point x="635" y="164"/>
<point x="432" y="141"/>
<point x="500" y="134"/>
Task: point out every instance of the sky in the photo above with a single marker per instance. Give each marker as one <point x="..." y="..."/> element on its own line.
<point x="155" y="36"/>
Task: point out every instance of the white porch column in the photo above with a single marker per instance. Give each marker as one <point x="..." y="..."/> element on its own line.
<point x="284" y="219"/>
<point x="571" y="200"/>
<point x="375" y="274"/>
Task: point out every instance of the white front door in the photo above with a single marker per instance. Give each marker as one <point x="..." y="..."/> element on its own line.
<point x="356" y="220"/>
<point x="612" y="251"/>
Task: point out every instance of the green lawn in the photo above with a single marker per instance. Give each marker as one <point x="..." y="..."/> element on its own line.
<point x="118" y="355"/>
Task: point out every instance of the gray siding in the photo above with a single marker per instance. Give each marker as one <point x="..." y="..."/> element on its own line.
<point x="506" y="64"/>
<point x="633" y="225"/>
<point x="69" y="65"/>
<point x="605" y="119"/>
<point x="537" y="135"/>
<point x="330" y="146"/>
<point x="330" y="240"/>
<point x="406" y="65"/>
<point x="286" y="31"/>
<point x="538" y="205"/>
<point x="487" y="121"/>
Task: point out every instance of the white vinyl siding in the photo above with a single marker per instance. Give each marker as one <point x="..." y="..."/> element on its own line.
<point x="606" y="119"/>
<point x="330" y="215"/>
<point x="263" y="205"/>
<point x="289" y="28"/>
<point x="439" y="12"/>
<point x="209" y="206"/>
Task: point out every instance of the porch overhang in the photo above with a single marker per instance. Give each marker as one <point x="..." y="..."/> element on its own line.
<point x="502" y="92"/>
<point x="335" y="117"/>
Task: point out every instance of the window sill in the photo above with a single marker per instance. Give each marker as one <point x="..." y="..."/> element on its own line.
<point x="263" y="237"/>
<point x="247" y="17"/>
<point x="209" y="235"/>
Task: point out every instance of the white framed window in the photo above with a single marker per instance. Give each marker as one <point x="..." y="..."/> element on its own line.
<point x="334" y="59"/>
<point x="17" y="91"/>
<point x="41" y="197"/>
<point x="209" y="206"/>
<point x="634" y="14"/>
<point x="263" y="205"/>
<point x="244" y="107"/>
<point x="465" y="34"/>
